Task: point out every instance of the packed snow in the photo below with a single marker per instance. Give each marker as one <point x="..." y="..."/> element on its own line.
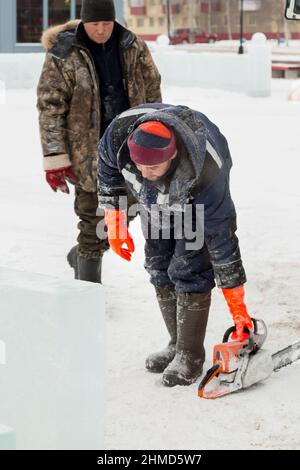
<point x="38" y="227"/>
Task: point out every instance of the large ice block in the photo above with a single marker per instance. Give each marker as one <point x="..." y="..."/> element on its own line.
<point x="248" y="73"/>
<point x="21" y="70"/>
<point x="2" y="92"/>
<point x="259" y="66"/>
<point x="7" y="438"/>
<point x="52" y="379"/>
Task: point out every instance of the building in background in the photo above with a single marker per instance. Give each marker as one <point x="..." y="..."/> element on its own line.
<point x="23" y="21"/>
<point x="149" y="18"/>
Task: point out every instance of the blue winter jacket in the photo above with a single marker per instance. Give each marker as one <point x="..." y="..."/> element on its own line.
<point x="201" y="177"/>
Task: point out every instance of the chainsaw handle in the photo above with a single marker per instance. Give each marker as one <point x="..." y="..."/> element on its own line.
<point x="231" y="330"/>
<point x="256" y="339"/>
<point x="210" y="374"/>
<point x="251" y="343"/>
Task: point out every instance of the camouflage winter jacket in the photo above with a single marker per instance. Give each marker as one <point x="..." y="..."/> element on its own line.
<point x="69" y="96"/>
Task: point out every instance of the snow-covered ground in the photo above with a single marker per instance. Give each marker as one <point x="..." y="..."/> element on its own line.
<point x="38" y="227"/>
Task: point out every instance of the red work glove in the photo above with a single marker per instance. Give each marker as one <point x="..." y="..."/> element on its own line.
<point x="57" y="179"/>
<point x="235" y="301"/>
<point x="118" y="234"/>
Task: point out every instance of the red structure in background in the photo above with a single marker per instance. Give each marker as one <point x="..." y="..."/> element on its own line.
<point x="141" y="10"/>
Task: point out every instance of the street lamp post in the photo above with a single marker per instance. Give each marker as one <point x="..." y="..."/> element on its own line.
<point x="241" y="48"/>
<point x="168" y="18"/>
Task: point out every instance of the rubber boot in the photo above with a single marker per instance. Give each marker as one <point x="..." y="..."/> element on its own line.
<point x="167" y="300"/>
<point x="192" y="316"/>
<point x="89" y="269"/>
<point x="72" y="260"/>
<point x="85" y="269"/>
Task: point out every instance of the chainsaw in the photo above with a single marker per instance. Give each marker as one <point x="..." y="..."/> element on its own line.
<point x="240" y="364"/>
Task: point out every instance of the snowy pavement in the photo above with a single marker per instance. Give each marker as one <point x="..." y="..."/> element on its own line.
<point x="38" y="227"/>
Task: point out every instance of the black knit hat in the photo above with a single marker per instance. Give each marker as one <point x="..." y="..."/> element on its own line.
<point x="97" y="10"/>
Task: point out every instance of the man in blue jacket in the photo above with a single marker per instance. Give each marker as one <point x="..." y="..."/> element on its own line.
<point x="176" y="163"/>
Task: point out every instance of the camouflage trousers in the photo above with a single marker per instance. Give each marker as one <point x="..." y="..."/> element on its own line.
<point x="86" y="204"/>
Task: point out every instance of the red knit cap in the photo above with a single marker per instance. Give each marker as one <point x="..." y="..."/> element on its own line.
<point x="151" y="143"/>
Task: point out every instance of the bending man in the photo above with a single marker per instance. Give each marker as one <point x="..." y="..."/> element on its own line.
<point x="176" y="163"/>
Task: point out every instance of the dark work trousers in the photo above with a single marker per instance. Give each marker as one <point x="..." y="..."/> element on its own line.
<point x="172" y="261"/>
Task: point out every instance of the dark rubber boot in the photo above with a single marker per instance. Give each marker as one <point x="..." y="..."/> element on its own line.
<point x="192" y="316"/>
<point x="166" y="296"/>
<point x="89" y="269"/>
<point x="85" y="269"/>
<point x="72" y="260"/>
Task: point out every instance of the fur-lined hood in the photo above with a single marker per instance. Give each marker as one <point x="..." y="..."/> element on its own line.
<point x="71" y="33"/>
<point x="49" y="37"/>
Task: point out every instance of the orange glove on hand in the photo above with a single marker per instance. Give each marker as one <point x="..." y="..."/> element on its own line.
<point x="235" y="301"/>
<point x="118" y="234"/>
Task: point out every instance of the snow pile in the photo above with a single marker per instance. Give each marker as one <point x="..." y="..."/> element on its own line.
<point x="38" y="227"/>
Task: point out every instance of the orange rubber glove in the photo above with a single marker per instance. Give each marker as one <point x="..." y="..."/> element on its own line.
<point x="118" y="234"/>
<point x="235" y="301"/>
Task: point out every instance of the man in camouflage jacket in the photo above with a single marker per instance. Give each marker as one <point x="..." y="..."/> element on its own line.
<point x="94" y="69"/>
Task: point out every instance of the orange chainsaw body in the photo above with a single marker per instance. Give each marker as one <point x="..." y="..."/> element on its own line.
<point x="230" y="362"/>
<point x="227" y="355"/>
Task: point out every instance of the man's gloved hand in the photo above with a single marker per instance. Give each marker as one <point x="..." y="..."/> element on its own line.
<point x="57" y="179"/>
<point x="118" y="234"/>
<point x="235" y="301"/>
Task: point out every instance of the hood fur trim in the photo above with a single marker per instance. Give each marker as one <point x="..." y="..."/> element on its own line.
<point x="49" y="37"/>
